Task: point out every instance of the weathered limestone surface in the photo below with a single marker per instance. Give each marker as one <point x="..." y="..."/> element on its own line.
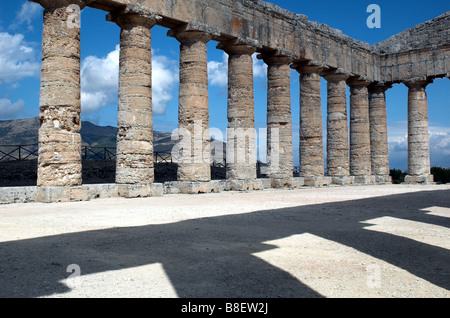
<point x="311" y="135"/>
<point x="279" y="119"/>
<point x="417" y="53"/>
<point x="418" y="37"/>
<point x="414" y="56"/>
<point x="337" y="126"/>
<point x="193" y="107"/>
<point x="59" y="162"/>
<point x="379" y="149"/>
<point x="263" y="25"/>
<point x="134" y="116"/>
<point x="241" y="135"/>
<point x="418" y="139"/>
<point x="268" y="27"/>
<point x="360" y="160"/>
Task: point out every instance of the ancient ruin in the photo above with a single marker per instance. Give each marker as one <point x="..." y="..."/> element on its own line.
<point x="357" y="153"/>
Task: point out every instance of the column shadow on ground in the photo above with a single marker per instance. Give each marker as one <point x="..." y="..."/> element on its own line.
<point x="212" y="256"/>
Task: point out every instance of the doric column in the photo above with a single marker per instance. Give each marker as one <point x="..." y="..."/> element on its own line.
<point x="59" y="162"/>
<point x="279" y="119"/>
<point x="360" y="161"/>
<point x="418" y="138"/>
<point x="311" y="135"/>
<point x="134" y="164"/>
<point x="241" y="135"/>
<point x="193" y="108"/>
<point x="379" y="149"/>
<point x="337" y="126"/>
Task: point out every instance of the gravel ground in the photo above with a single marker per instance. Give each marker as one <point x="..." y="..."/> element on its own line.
<point x="355" y="241"/>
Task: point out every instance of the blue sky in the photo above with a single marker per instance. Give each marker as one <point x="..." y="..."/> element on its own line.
<point x="20" y="49"/>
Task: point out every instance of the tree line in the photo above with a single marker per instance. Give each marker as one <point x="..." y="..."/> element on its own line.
<point x="441" y="175"/>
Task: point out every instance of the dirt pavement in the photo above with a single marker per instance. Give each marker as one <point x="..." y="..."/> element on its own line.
<point x="373" y="241"/>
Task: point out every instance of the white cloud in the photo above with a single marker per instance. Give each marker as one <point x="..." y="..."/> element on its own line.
<point x="100" y="81"/>
<point x="164" y="79"/>
<point x="218" y="71"/>
<point x="440" y="146"/>
<point x="259" y="67"/>
<point x="9" y="110"/>
<point x="17" y="59"/>
<point x="439" y="137"/>
<point x="27" y="13"/>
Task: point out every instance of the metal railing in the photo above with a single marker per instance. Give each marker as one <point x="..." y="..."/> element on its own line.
<point x="98" y="153"/>
<point x="30" y="152"/>
<point x="18" y="153"/>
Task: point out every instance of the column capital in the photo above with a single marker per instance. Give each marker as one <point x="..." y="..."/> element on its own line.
<point x="414" y="84"/>
<point x="236" y="48"/>
<point x="186" y="36"/>
<point x="335" y="75"/>
<point x="131" y="17"/>
<point x="358" y="81"/>
<point x="379" y="87"/>
<point x="273" y="58"/>
<point x="308" y="67"/>
<point x="52" y="4"/>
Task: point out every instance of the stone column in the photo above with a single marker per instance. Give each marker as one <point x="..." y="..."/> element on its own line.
<point x="379" y="150"/>
<point x="311" y="135"/>
<point x="241" y="135"/>
<point x="360" y="160"/>
<point x="418" y="138"/>
<point x="338" y="162"/>
<point x="59" y="162"/>
<point x="134" y="166"/>
<point x="279" y="121"/>
<point x="193" y="110"/>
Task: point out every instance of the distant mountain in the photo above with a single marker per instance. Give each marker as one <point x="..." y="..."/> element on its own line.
<point x="25" y="132"/>
<point x="101" y="136"/>
<point x="19" y="132"/>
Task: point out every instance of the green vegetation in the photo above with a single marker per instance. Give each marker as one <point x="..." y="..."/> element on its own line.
<point x="441" y="175"/>
<point x="397" y="175"/>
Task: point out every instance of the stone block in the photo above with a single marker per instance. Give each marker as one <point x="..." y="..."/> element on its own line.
<point x="317" y="181"/>
<point x="261" y="184"/>
<point x="343" y="180"/>
<point x="383" y="179"/>
<point x="101" y="191"/>
<point x="187" y="187"/>
<point x="289" y="183"/>
<point x="364" y="179"/>
<point x="140" y="190"/>
<point x="53" y="194"/>
<point x="425" y="179"/>
<point x="17" y="195"/>
<point x="240" y="185"/>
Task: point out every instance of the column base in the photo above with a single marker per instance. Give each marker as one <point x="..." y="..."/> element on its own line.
<point x="192" y="187"/>
<point x="342" y="180"/>
<point x="317" y="181"/>
<point x="140" y="190"/>
<point x="287" y="183"/>
<point x="74" y="193"/>
<point x="248" y="185"/>
<point x="364" y="180"/>
<point x="383" y="179"/>
<point x="425" y="179"/>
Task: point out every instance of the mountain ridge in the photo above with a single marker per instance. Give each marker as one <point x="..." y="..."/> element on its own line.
<point x="24" y="131"/>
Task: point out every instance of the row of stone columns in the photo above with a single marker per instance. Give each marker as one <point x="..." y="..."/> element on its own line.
<point x="360" y="151"/>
